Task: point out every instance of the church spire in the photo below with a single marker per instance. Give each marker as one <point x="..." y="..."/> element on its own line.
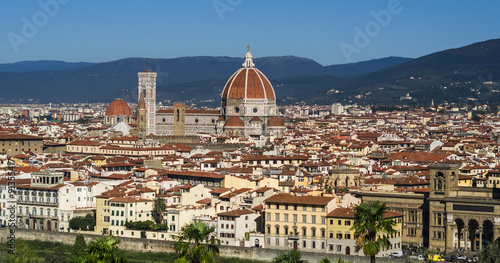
<point x="248" y="59"/>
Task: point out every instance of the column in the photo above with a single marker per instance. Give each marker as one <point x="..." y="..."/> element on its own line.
<point x="480" y="238"/>
<point x="466" y="238"/>
<point x="461" y="236"/>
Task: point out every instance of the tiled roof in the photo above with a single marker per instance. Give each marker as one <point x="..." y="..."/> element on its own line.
<point x="307" y="200"/>
<point x="236" y="213"/>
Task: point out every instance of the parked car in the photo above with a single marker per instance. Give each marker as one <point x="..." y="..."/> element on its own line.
<point x="397" y="254"/>
<point x="462" y="257"/>
<point x="417" y="257"/>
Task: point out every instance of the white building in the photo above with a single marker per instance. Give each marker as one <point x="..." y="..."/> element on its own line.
<point x="337" y="109"/>
<point x="234" y="227"/>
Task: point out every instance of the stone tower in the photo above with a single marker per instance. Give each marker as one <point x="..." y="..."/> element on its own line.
<point x="179" y="119"/>
<point x="443" y="185"/>
<point x="443" y="180"/>
<point x="141" y="117"/>
<point x="147" y="86"/>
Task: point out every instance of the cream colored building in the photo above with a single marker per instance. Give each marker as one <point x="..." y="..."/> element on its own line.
<point x="297" y="222"/>
<point x="128" y="208"/>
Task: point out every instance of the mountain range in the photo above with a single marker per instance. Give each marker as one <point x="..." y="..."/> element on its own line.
<point x="465" y="74"/>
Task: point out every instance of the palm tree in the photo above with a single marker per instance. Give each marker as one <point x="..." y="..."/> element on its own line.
<point x="104" y="249"/>
<point x="159" y="208"/>
<point x="293" y="256"/>
<point x="197" y="244"/>
<point x="372" y="229"/>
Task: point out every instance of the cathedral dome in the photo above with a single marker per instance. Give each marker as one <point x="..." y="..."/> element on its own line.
<point x="248" y="83"/>
<point x="118" y="107"/>
<point x="234" y="122"/>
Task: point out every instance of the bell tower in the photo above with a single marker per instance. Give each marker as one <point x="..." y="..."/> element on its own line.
<point x="147" y="86"/>
<point x="141" y="117"/>
<point x="443" y="180"/>
<point x="179" y="119"/>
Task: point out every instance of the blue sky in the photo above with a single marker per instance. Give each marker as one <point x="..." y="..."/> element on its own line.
<point x="323" y="30"/>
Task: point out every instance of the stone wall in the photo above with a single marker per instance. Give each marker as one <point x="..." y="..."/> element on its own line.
<point x="135" y="244"/>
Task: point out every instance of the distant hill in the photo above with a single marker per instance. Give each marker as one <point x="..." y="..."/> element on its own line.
<point x="454" y="75"/>
<point x="467" y="74"/>
<point x="41" y="65"/>
<point x="108" y="80"/>
<point x="364" y="67"/>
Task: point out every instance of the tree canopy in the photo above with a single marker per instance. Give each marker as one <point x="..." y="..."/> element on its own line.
<point x="372" y="229"/>
<point x="196" y="243"/>
<point x="104" y="249"/>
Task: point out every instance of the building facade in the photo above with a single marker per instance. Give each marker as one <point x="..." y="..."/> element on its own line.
<point x="297" y="222"/>
<point x="446" y="217"/>
<point x="13" y="144"/>
<point x="38" y="201"/>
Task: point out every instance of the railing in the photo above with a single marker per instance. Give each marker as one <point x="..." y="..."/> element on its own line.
<point x="29" y="202"/>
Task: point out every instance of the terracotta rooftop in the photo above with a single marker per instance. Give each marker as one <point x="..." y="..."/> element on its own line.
<point x="306" y="200"/>
<point x="236" y="213"/>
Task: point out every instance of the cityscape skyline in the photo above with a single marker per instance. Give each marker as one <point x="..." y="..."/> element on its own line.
<point x="327" y="32"/>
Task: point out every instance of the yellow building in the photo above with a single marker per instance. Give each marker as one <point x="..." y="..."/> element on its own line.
<point x="341" y="238"/>
<point x="465" y="180"/>
<point x="97" y="160"/>
<point x="297" y="222"/>
<point x="102" y="209"/>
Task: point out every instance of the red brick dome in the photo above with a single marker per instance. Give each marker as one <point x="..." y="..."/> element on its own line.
<point x="118" y="107"/>
<point x="248" y="83"/>
<point x="234" y="122"/>
<point x="275" y="122"/>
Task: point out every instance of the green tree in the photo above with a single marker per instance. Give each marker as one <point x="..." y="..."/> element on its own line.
<point x="196" y="243"/>
<point x="78" y="250"/>
<point x="293" y="256"/>
<point x="84" y="223"/>
<point x="104" y="250"/>
<point x="490" y="254"/>
<point x="159" y="208"/>
<point x="372" y="229"/>
<point x="23" y="254"/>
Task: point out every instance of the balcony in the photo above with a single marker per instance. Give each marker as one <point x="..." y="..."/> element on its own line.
<point x="294" y="236"/>
<point x="29" y="202"/>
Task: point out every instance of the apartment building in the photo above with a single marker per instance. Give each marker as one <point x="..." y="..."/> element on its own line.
<point x="235" y="226"/>
<point x="128" y="208"/>
<point x="297" y="222"/>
